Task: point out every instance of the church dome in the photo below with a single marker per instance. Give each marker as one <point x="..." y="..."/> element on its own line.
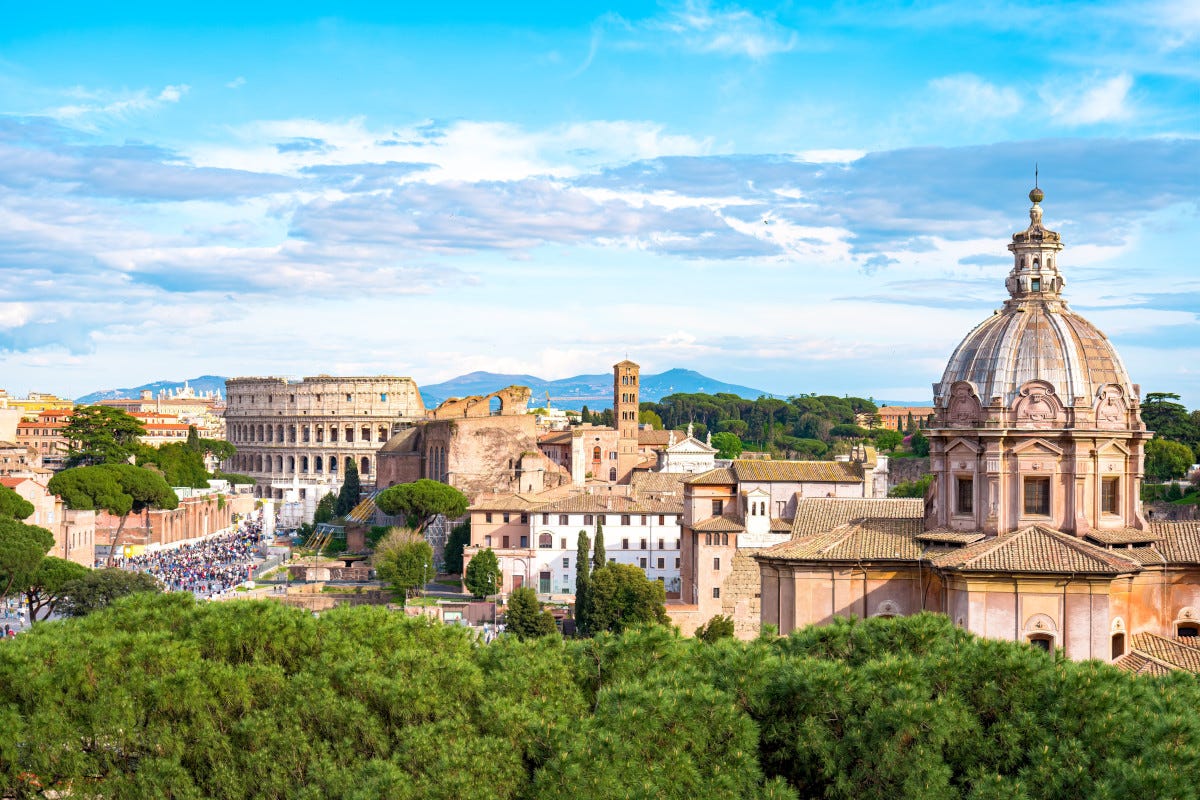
<point x="1033" y="345"/>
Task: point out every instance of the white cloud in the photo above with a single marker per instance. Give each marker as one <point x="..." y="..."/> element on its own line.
<point x="1101" y="100"/>
<point x="236" y="83"/>
<point x="973" y="97"/>
<point x="13" y="315"/>
<point x="698" y="26"/>
<point x="114" y="106"/>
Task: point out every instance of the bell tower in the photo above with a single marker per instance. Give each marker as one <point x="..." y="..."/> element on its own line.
<point x="625" y="417"/>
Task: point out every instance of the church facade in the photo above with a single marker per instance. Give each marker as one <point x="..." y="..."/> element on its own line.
<point x="1032" y="529"/>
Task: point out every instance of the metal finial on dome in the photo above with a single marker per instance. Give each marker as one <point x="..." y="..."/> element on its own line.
<point x="1036" y="195"/>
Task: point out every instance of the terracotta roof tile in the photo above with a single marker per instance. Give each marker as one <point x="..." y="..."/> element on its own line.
<point x="721" y="524"/>
<point x="1122" y="536"/>
<point x="1180" y="652"/>
<point x="797" y="471"/>
<point x="721" y="476"/>
<point x="820" y="514"/>
<point x="1140" y="665"/>
<point x="610" y="504"/>
<point x="654" y="438"/>
<point x="950" y="537"/>
<point x="1036" y="550"/>
<point x="876" y="539"/>
<point x="658" y="483"/>
<point x="780" y="525"/>
<point x="1180" y="542"/>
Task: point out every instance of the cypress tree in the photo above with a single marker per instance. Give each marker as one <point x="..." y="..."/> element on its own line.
<point x="193" y="439"/>
<point x="583" y="581"/>
<point x="348" y="497"/>
<point x="598" y="559"/>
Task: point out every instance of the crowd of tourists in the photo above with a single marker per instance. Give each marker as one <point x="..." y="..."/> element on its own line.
<point x="206" y="568"/>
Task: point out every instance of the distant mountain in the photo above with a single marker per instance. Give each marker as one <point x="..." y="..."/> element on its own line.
<point x="594" y="391"/>
<point x="205" y="383"/>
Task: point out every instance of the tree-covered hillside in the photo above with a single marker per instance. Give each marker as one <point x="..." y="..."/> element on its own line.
<point x="162" y="697"/>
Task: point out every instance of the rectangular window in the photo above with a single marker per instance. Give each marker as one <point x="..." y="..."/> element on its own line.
<point x="602" y="519"/>
<point x="587" y="519"/>
<point x="504" y="542"/>
<point x="662" y="544"/>
<point x="717" y="564"/>
<point x="562" y="543"/>
<point x="643" y="519"/>
<point x="662" y="563"/>
<point x="1037" y="497"/>
<point x="487" y="517"/>
<point x="505" y="516"/>
<point x="624" y="544"/>
<point x="662" y="520"/>
<point x="487" y="541"/>
<point x="716" y="592"/>
<point x="524" y="541"/>
<point x="562" y="519"/>
<point x="677" y="563"/>
<point x="567" y="563"/>
<point x="545" y="519"/>
<point x="643" y="544"/>
<point x="718" y="506"/>
<point x="624" y="519"/>
<point x="966" y="496"/>
<point x="642" y="563"/>
<point x="1109" y="496"/>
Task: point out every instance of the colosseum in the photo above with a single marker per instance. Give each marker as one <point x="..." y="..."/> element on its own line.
<point x="304" y="433"/>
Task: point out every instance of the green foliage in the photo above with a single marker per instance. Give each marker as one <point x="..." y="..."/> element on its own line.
<point x="1174" y="492"/>
<point x="795" y="447"/>
<point x="22" y="548"/>
<point x="917" y="488"/>
<point x="622" y="597"/>
<point x="763" y="422"/>
<point x="234" y="478"/>
<point x="887" y="439"/>
<point x="650" y="418"/>
<point x="376" y="533"/>
<point x="525" y="616"/>
<point x="1169" y="419"/>
<point x="582" y="584"/>
<point x="161" y="696"/>
<point x="728" y="444"/>
<point x="460" y="537"/>
<point x="919" y="444"/>
<point x="599" y="559"/>
<point x="179" y="464"/>
<point x="717" y="628"/>
<point x="1167" y="460"/>
<point x="348" y="497"/>
<point x="116" y="488"/>
<point x="101" y="435"/>
<point x="218" y="448"/>
<point x="483" y="573"/>
<point x="324" y="509"/>
<point x="420" y="500"/>
<point x="44" y="588"/>
<point x="13" y="506"/>
<point x="100" y="588"/>
<point x="193" y="440"/>
<point x="849" y="431"/>
<point x="405" y="560"/>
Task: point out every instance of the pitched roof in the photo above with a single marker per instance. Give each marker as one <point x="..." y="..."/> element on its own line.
<point x="658" y="482"/>
<point x="780" y="525"/>
<point x="1122" y="536"/>
<point x="1180" y="543"/>
<point x="721" y="476"/>
<point x="950" y="537"/>
<point x="610" y="504"/>
<point x="721" y="524"/>
<point x="505" y="502"/>
<point x="875" y="539"/>
<point x="797" y="471"/>
<point x="1152" y="654"/>
<point x="11" y="482"/>
<point x="1036" y="550"/>
<point x="555" y="437"/>
<point x="659" y="437"/>
<point x="820" y="514"/>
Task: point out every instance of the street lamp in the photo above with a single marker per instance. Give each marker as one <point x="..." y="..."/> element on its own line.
<point x="424" y="580"/>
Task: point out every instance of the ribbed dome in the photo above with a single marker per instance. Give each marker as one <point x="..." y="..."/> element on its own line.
<point x="1029" y="341"/>
<point x="1034" y="336"/>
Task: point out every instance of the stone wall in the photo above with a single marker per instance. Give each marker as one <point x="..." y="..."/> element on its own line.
<point x="906" y="470"/>
<point x="741" y="595"/>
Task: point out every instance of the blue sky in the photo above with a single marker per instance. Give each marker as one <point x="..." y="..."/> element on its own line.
<point x="798" y="197"/>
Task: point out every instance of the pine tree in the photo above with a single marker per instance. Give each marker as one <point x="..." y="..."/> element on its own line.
<point x="348" y="497"/>
<point x="582" y="585"/>
<point x="598" y="559"/>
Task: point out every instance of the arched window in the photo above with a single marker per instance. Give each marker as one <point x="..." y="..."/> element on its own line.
<point x="279" y="433"/>
<point x="291" y="433"/>
<point x="1187" y="629"/>
<point x="365" y="434"/>
<point x="258" y="464"/>
<point x="279" y="463"/>
<point x="333" y="462"/>
<point x="291" y="464"/>
<point x="545" y="540"/>
<point x="349" y="433"/>
<point x="1042" y="641"/>
<point x="365" y="469"/>
<point x="383" y="434"/>
<point x="318" y="464"/>
<point x="349" y="462"/>
<point x="304" y="463"/>
<point x="595" y="454"/>
<point x="612" y="474"/>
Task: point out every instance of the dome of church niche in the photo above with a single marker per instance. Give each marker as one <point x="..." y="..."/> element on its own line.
<point x="1035" y="362"/>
